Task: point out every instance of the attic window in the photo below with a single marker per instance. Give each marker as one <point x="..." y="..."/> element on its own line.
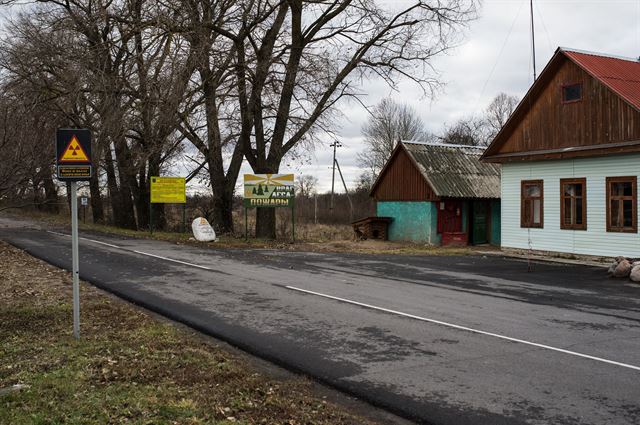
<point x="572" y="93"/>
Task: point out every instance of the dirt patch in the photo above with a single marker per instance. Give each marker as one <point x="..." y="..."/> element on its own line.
<point x="129" y="366"/>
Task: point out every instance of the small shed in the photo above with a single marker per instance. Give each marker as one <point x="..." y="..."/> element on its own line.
<point x="372" y="228"/>
<point x="439" y="194"/>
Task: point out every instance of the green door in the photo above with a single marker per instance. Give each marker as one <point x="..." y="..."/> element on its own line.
<point x="480" y="222"/>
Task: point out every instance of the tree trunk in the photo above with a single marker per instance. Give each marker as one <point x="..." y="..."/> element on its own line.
<point x="97" y="207"/>
<point x="266" y="217"/>
<point x="125" y="204"/>
<point x="125" y="200"/>
<point x="112" y="186"/>
<point x="51" y="196"/>
<point x="35" y="187"/>
<point x="159" y="217"/>
<point x="121" y="203"/>
<point x="222" y="189"/>
<point x="266" y="223"/>
<point x="223" y="212"/>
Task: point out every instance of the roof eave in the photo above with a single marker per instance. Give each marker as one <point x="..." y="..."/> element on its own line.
<point x="562" y="153"/>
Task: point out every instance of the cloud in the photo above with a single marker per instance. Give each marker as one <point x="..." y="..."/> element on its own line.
<point x="492" y="60"/>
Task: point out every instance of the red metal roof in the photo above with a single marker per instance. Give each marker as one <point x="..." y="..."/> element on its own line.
<point x="620" y="75"/>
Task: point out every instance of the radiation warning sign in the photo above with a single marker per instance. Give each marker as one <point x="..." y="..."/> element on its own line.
<point x="73" y="154"/>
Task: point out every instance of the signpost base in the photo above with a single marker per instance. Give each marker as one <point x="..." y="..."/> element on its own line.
<point x="184" y="218"/>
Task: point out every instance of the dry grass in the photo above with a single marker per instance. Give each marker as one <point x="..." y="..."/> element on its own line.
<point x="309" y="237"/>
<point x="128" y="367"/>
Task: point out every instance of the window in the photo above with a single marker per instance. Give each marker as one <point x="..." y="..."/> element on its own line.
<point x="621" y="204"/>
<point x="572" y="93"/>
<point x="573" y="204"/>
<point x="531" y="203"/>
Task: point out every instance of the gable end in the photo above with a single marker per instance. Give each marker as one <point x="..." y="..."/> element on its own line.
<point x="400" y="180"/>
<point x="545" y="127"/>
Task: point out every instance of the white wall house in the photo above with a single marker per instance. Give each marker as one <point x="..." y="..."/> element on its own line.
<point x="570" y="156"/>
<point x="594" y="239"/>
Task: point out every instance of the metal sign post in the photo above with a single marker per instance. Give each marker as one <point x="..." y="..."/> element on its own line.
<point x="75" y="260"/>
<point x="84" y="201"/>
<point x="73" y="164"/>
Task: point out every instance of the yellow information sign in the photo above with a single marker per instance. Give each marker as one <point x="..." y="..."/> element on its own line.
<point x="168" y="190"/>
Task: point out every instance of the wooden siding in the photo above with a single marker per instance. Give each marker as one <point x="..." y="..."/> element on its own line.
<point x="401" y="181"/>
<point x="601" y="117"/>
<point x="595" y="240"/>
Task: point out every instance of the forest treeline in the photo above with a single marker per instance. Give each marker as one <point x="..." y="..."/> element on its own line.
<point x="206" y="84"/>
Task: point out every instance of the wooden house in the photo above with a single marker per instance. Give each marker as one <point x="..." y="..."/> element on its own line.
<point x="570" y="156"/>
<point x="439" y="194"/>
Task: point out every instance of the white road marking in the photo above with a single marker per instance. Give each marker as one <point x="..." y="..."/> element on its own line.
<point x="101" y="243"/>
<point x="56" y="233"/>
<point x="171" y="259"/>
<point x="465" y="328"/>
<point x="139" y="252"/>
<point x="85" y="239"/>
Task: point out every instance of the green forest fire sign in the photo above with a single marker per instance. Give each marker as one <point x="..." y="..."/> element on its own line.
<point x="268" y="190"/>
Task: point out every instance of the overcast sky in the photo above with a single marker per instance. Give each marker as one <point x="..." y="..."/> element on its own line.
<point x="494" y="57"/>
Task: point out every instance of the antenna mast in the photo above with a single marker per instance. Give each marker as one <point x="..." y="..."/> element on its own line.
<point x="533" y="41"/>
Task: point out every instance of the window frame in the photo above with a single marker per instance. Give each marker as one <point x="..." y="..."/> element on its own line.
<point x="564" y="86"/>
<point x="634" y="202"/>
<point x="583" y="182"/>
<point x="524" y="183"/>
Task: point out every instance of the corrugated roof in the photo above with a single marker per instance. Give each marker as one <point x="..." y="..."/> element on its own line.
<point x="620" y="75"/>
<point x="455" y="171"/>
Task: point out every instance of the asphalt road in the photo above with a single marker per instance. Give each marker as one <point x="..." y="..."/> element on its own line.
<point x="440" y="340"/>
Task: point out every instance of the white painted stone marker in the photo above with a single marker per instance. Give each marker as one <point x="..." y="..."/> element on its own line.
<point x="202" y="230"/>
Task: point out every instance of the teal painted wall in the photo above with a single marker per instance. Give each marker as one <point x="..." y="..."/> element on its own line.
<point x="412" y="221"/>
<point x="495" y="223"/>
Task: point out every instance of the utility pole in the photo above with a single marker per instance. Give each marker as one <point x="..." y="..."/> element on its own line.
<point x="346" y="191"/>
<point x="315" y="209"/>
<point x="533" y="42"/>
<point x="335" y="145"/>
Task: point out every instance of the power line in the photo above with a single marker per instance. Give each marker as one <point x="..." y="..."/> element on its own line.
<point x="495" y="64"/>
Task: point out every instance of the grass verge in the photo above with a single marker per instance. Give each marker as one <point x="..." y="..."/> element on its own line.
<point x="129" y="366"/>
<point x="319" y="244"/>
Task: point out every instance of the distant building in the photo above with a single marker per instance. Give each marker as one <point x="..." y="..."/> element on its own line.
<point x="570" y="156"/>
<point x="439" y="194"/>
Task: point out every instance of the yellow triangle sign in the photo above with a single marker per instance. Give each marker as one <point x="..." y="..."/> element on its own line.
<point x="74" y="152"/>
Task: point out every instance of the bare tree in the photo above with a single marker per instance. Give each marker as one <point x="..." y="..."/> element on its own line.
<point x="293" y="71"/>
<point x="306" y="185"/>
<point x="111" y="67"/>
<point x="25" y="164"/>
<point x="498" y="112"/>
<point x="365" y="182"/>
<point x="259" y="79"/>
<point x="389" y="123"/>
<point x="480" y="130"/>
<point x="469" y="130"/>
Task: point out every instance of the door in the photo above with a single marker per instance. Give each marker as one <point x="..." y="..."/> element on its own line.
<point x="480" y="222"/>
<point x="449" y="217"/>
